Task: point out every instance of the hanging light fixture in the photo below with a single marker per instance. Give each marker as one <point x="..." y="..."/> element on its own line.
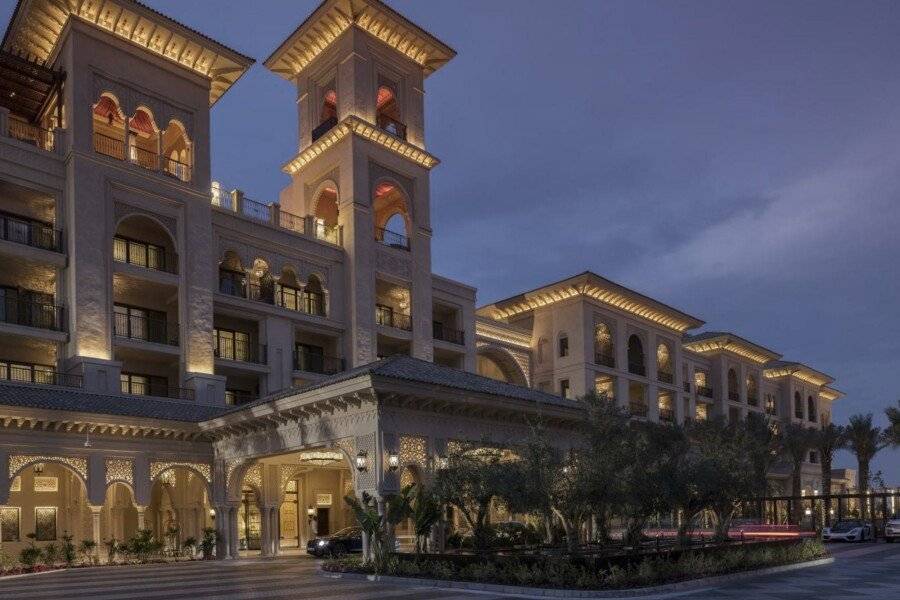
<point x="38" y="468"/>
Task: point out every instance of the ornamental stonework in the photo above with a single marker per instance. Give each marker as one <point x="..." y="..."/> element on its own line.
<point x="253" y="476"/>
<point x="159" y="467"/>
<point x="17" y="462"/>
<point x="120" y="469"/>
<point x="413" y="451"/>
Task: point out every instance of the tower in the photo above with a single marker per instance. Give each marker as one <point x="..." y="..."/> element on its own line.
<point x="362" y="170"/>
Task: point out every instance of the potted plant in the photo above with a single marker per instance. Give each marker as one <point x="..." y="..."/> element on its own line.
<point x="189" y="547"/>
<point x="208" y="543"/>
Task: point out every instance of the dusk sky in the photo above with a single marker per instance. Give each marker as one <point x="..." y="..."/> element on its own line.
<point x="740" y="161"/>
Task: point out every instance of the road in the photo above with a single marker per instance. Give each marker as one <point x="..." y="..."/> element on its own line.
<point x="860" y="571"/>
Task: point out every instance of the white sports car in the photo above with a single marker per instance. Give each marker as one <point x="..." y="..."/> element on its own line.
<point x="848" y="531"/>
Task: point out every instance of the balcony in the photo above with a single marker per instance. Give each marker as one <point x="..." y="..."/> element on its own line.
<point x="637" y="369"/>
<point x="31" y="314"/>
<point x="29" y="232"/>
<point x="446" y="334"/>
<point x="665" y="377"/>
<point x="109" y="146"/>
<point x="704" y="391"/>
<point x="144" y="255"/>
<point x="386" y="237"/>
<point x="605" y="360"/>
<point x="177" y="169"/>
<point x="237" y="350"/>
<point x="31" y="134"/>
<point x="238" y="397"/>
<point x="41" y="375"/>
<point x="386" y="316"/>
<point x="153" y="386"/>
<point x="145" y="329"/>
<point x="637" y="409"/>
<point x="391" y="125"/>
<point x="311" y="303"/>
<point x="146" y="159"/>
<point x="324" y="127"/>
<point x="313" y="362"/>
<point x="667" y="414"/>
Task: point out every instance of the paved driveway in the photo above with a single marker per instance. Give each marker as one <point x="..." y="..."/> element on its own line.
<point x="860" y="571"/>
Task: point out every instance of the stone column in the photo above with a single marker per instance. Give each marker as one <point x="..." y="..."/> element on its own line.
<point x="95" y="528"/>
<point x="233" y="533"/>
<point x="265" y="533"/>
<point x="223" y="533"/>
<point x="141" y="517"/>
<point x="275" y="538"/>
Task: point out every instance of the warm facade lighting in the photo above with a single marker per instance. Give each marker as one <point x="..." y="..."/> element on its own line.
<point x="393" y="461"/>
<point x="362" y="461"/>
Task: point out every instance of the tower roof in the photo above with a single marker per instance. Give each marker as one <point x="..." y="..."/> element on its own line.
<point x="333" y="17"/>
<point x="36" y="26"/>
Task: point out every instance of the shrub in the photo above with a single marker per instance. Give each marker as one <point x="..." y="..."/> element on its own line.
<point x="143" y="546"/>
<point x="87" y="552"/>
<point x="30" y="556"/>
<point x="68" y="549"/>
<point x="112" y="550"/>
<point x="208" y="543"/>
<point x="189" y="547"/>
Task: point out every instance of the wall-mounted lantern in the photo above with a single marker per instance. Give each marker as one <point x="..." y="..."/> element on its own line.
<point x="362" y="461"/>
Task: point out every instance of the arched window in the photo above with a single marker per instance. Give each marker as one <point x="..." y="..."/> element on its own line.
<point x="325" y="214"/>
<point x="143" y="140"/>
<point x="734" y="392"/>
<point x="811" y="409"/>
<point x="798" y="406"/>
<point x="328" y="115"/>
<point x="262" y="284"/>
<point x="109" y="127"/>
<point x="636" y="362"/>
<point x="315" y="296"/>
<point x="604" y="351"/>
<point x="752" y="392"/>
<point x="664" y="364"/>
<point x="176" y="148"/>
<point x="392" y="218"/>
<point x="387" y="112"/>
<point x="232" y="277"/>
<point x="141" y="241"/>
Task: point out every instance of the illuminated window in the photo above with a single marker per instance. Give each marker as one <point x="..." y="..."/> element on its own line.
<point x="564" y="389"/>
<point x="605" y="385"/>
<point x="563" y="346"/>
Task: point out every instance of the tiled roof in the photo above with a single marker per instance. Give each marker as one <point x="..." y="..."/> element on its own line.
<point x="406" y="368"/>
<point x="72" y="399"/>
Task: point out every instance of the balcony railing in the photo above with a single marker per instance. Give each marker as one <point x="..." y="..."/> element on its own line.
<point x="637" y="369"/>
<point x="734" y="396"/>
<point x="145" y="329"/>
<point x="447" y="334"/>
<point x="323" y="128"/>
<point x="292" y="222"/>
<point x="329" y="233"/>
<point x="391" y="238"/>
<point x="704" y="391"/>
<point x="141" y="254"/>
<point x="238" y="397"/>
<point x="311" y="303"/>
<point x="312" y="362"/>
<point x="32" y="314"/>
<point x="392" y="126"/>
<point x="605" y="360"/>
<point x="139" y="388"/>
<point x="389" y="318"/>
<point x="665" y="377"/>
<point x="147" y="159"/>
<point x="666" y="414"/>
<point x="30" y="133"/>
<point x="29" y="232"/>
<point x="177" y="169"/>
<point x="38" y="375"/>
<point x="637" y="409"/>
<point x="240" y="351"/>
<point x="108" y="146"/>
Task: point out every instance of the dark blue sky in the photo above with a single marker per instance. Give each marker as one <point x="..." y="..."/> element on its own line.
<point x="738" y="160"/>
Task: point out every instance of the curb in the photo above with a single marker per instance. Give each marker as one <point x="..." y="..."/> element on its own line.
<point x="529" y="592"/>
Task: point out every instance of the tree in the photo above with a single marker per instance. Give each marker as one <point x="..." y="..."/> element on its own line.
<point x="796" y="441"/>
<point x="425" y="511"/>
<point x="372" y="525"/>
<point x="763" y="448"/>
<point x="865" y="440"/>
<point x="473" y="478"/>
<point x="892" y="434"/>
<point x="828" y="440"/>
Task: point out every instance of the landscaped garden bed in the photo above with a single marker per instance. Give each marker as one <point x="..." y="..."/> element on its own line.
<point x="588" y="573"/>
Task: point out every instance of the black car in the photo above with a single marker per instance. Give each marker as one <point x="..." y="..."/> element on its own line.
<point x="345" y="541"/>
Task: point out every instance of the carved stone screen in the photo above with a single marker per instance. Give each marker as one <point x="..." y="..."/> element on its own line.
<point x="45" y="523"/>
<point x="9" y="523"/>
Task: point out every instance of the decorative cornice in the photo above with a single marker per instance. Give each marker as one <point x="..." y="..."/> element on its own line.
<point x="497" y="331"/>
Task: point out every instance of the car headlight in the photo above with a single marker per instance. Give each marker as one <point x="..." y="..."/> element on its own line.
<point x="321" y="543"/>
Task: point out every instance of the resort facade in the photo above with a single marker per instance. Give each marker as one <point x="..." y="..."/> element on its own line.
<point x="177" y="354"/>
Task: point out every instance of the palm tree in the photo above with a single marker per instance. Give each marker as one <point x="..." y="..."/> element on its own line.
<point x="865" y="440"/>
<point x="829" y="440"/>
<point x="763" y="447"/>
<point x="796" y="442"/>
<point x="893" y="432"/>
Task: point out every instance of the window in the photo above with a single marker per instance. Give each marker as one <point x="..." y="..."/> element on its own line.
<point x="563" y="346"/>
<point x="564" y="388"/>
<point x="232" y="345"/>
<point x="664" y="370"/>
<point x="141" y="254"/>
<point x="666" y="406"/>
<point x="770" y="405"/>
<point x="752" y="393"/>
<point x="605" y="385"/>
<point x="604" y="351"/>
<point x="814" y="457"/>
<point x="702" y="413"/>
<point x="45" y="523"/>
<point x="637" y="400"/>
<point x="798" y="406"/>
<point x="734" y="393"/>
<point x="26" y="372"/>
<point x="141" y="324"/>
<point x="636" y="362"/>
<point x="136" y="384"/>
<point x="811" y="410"/>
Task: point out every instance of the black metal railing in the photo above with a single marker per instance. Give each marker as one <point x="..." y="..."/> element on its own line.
<point x="159" y="390"/>
<point x="29" y="232"/>
<point x="392" y="126"/>
<point x="232" y="283"/>
<point x="637" y="409"/>
<point x="311" y="303"/>
<point x="240" y="351"/>
<point x="38" y="374"/>
<point x="143" y="254"/>
<point x="323" y="128"/>
<point x="705" y="391"/>
<point x="665" y="377"/>
<point x="637" y="368"/>
<point x="145" y="329"/>
<point x="666" y="414"/>
<point x="441" y="332"/>
<point x="32" y="314"/>
<point x="313" y="362"/>
<point x="605" y="360"/>
<point x="389" y="318"/>
<point x="391" y="238"/>
<point x="734" y="396"/>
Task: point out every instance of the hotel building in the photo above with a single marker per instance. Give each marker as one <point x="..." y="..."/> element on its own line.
<point x="176" y="353"/>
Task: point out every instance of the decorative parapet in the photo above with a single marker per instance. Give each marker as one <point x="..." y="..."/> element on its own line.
<point x="17" y="462"/>
<point x="159" y="467"/>
<point x="120" y="470"/>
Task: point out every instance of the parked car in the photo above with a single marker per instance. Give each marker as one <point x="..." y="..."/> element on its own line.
<point x="892" y="530"/>
<point x="849" y="531"/>
<point x="345" y="541"/>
